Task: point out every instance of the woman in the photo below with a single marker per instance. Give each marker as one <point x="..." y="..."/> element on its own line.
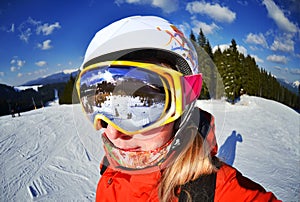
<point x="140" y="79"/>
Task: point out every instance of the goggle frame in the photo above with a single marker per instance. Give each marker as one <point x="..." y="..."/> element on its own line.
<point x="176" y="100"/>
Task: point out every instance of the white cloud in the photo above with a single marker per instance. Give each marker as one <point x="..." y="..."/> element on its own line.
<point x="45" y="45"/>
<point x="278" y="16"/>
<point x="25" y="34"/>
<point x="13" y="69"/>
<point x="12" y="28"/>
<point x="167" y="6"/>
<point x="40" y="71"/>
<point x="242" y="50"/>
<point x="46" y="29"/>
<point x="20" y="63"/>
<point x="37" y="72"/>
<point x="33" y="22"/>
<point x="288" y="70"/>
<point x="223" y="47"/>
<point x="257" y="59"/>
<point x="41" y="63"/>
<point x="2" y="74"/>
<point x="278" y="68"/>
<point x="257" y="39"/>
<point x="285" y="44"/>
<point x="243" y="3"/>
<point x="20" y="75"/>
<point x="253" y="48"/>
<point x="215" y="11"/>
<point x="206" y="28"/>
<point x="119" y="2"/>
<point x="295" y="71"/>
<point x="28" y="27"/>
<point x="277" y="59"/>
<point x="16" y="64"/>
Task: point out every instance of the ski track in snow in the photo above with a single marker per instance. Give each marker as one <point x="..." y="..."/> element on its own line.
<point x="42" y="158"/>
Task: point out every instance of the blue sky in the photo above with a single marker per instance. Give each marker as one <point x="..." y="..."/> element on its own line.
<point x="39" y="38"/>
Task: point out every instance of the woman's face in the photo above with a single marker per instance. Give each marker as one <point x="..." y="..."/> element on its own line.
<point x="146" y="141"/>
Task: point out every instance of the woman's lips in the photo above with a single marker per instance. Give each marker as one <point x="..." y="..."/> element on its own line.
<point x="134" y="149"/>
<point x="123" y="147"/>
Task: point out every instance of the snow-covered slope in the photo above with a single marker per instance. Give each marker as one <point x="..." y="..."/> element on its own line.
<point x="20" y="88"/>
<point x="261" y="137"/>
<point x="42" y="157"/>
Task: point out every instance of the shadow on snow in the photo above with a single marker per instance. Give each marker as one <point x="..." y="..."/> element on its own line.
<point x="227" y="150"/>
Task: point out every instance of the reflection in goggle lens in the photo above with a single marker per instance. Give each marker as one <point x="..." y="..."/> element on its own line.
<point x="130" y="97"/>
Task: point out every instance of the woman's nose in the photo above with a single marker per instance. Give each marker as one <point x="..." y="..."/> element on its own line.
<point x="113" y="133"/>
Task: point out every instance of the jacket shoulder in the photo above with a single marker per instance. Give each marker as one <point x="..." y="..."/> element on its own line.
<point x="231" y="185"/>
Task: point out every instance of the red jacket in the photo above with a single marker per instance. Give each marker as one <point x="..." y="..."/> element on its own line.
<point x="230" y="184"/>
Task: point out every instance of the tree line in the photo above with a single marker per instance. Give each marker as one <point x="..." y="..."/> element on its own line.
<point x="12" y="100"/>
<point x="241" y="75"/>
<point x="69" y="94"/>
<point x="29" y="99"/>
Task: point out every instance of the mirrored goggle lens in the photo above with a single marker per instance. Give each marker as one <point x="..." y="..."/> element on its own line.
<point x="130" y="97"/>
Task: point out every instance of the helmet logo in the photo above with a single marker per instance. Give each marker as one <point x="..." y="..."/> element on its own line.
<point x="180" y="45"/>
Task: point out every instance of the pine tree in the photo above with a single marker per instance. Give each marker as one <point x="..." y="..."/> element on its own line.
<point x="69" y="94"/>
<point x="208" y="49"/>
<point x="212" y="80"/>
<point x="204" y="92"/>
<point x="201" y="39"/>
<point x="192" y="36"/>
<point x="218" y="59"/>
<point x="233" y="46"/>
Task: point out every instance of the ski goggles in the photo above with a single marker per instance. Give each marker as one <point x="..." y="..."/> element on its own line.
<point x="135" y="97"/>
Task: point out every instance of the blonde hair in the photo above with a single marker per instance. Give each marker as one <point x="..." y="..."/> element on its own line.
<point x="189" y="165"/>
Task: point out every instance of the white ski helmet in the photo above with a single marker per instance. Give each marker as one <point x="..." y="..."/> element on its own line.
<point x="149" y="36"/>
<point x="144" y="39"/>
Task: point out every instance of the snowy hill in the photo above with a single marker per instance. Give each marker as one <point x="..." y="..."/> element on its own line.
<point x="20" y="88"/>
<point x="58" y="77"/>
<point x="42" y="157"/>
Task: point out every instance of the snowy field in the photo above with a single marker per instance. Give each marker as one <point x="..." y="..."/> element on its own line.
<point x="43" y="159"/>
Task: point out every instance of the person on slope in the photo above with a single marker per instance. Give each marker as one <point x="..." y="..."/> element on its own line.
<point x="141" y="76"/>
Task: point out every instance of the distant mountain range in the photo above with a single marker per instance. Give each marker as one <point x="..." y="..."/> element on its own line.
<point x="34" y="94"/>
<point x="59" y="77"/>
<point x="293" y="87"/>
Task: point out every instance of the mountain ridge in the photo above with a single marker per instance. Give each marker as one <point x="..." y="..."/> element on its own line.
<point x="58" y="77"/>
